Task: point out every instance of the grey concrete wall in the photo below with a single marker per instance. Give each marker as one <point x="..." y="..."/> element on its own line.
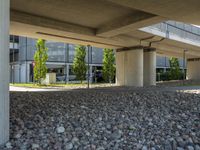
<point x="4" y="70"/>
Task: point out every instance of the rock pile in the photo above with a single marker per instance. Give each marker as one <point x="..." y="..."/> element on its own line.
<point x="108" y="119"/>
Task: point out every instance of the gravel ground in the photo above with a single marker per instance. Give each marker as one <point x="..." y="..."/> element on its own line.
<point x="120" y="118"/>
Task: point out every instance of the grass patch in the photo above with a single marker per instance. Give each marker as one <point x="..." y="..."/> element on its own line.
<point x="190" y="84"/>
<point x="32" y="85"/>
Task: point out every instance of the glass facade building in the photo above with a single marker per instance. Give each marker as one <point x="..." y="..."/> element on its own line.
<point x="60" y="60"/>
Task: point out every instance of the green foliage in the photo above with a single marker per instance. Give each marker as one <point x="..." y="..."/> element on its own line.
<point x="163" y="76"/>
<point x="79" y="65"/>
<point x="174" y="72"/>
<point x="40" y="58"/>
<point x="108" y="65"/>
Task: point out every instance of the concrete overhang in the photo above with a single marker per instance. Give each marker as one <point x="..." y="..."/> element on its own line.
<point x="103" y="23"/>
<point x="186" y="11"/>
<point x="98" y="23"/>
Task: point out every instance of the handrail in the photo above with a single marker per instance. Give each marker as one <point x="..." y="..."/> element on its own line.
<point x="183" y="29"/>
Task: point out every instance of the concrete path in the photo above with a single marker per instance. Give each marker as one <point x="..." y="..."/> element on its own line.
<point x="187" y="89"/>
<point x="28" y="89"/>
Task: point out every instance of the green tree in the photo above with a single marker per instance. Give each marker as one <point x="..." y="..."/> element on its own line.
<point x="40" y="58"/>
<point x="174" y="72"/>
<point x="79" y="65"/>
<point x="108" y="65"/>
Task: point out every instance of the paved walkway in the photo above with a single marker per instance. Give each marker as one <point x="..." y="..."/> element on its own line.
<point x="190" y="89"/>
<point x="60" y="88"/>
<point x="186" y="89"/>
<point x="28" y="89"/>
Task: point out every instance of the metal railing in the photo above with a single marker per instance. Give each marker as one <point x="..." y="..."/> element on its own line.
<point x="169" y="28"/>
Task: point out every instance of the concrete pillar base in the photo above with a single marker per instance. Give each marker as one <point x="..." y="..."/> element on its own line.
<point x="149" y="67"/>
<point x="129" y="68"/>
<point x="4" y="70"/>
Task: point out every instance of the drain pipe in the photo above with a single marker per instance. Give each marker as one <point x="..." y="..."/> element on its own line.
<point x="150" y="43"/>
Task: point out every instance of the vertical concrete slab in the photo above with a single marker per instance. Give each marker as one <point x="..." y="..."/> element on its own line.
<point x="4" y="70"/>
<point x="149" y="67"/>
<point x="129" y="68"/>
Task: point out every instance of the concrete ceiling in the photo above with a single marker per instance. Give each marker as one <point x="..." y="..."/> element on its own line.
<point x="87" y="13"/>
<point x="101" y="23"/>
<point x="179" y="10"/>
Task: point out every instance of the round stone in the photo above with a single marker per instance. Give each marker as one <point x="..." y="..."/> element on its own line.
<point x="60" y="130"/>
<point x="69" y="146"/>
<point x="9" y="145"/>
<point x="35" y="146"/>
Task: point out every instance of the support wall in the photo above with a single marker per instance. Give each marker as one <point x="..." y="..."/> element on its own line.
<point x="4" y="70"/>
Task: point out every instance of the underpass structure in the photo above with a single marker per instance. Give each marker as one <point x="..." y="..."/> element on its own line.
<point x="122" y="25"/>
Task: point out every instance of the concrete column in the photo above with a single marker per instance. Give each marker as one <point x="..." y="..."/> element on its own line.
<point x="193" y="69"/>
<point x="149" y="67"/>
<point x="120" y="68"/>
<point x="4" y="70"/>
<point x="129" y="68"/>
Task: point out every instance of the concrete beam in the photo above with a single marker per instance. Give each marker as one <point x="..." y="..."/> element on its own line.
<point x="25" y="18"/>
<point x="4" y="70"/>
<point x="66" y="37"/>
<point x="173" y="50"/>
<point x="127" y="24"/>
<point x="24" y="24"/>
<point x="163" y="52"/>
